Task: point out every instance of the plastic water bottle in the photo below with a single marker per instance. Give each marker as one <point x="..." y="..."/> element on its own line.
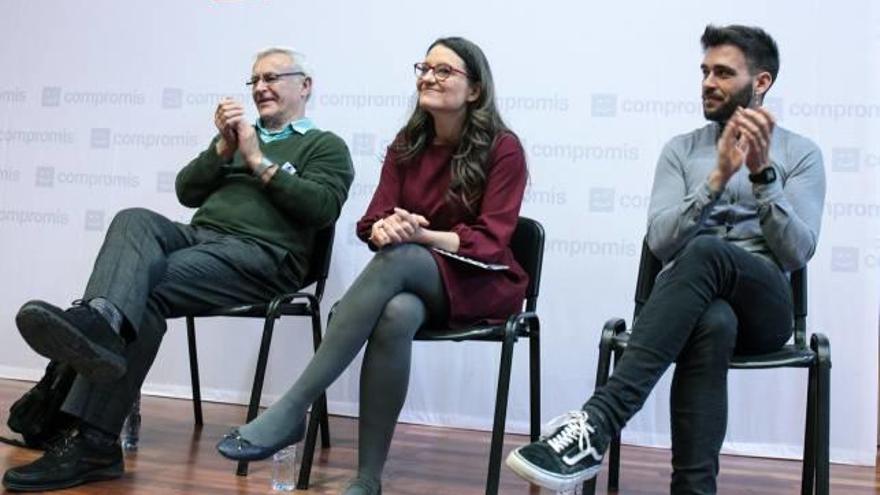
<point x="574" y="490"/>
<point x="284" y="469"/>
<point x="131" y="429"/>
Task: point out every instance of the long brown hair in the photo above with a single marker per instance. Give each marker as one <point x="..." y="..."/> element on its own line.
<point x="482" y="126"/>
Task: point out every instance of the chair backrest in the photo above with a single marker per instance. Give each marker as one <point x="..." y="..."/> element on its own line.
<point x="527" y="245"/>
<point x="319" y="265"/>
<point x="650" y="266"/>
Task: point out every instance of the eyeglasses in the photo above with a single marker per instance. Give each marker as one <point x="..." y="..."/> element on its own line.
<point x="441" y="72"/>
<point x="271" y="77"/>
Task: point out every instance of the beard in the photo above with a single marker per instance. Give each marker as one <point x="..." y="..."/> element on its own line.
<point x="742" y="98"/>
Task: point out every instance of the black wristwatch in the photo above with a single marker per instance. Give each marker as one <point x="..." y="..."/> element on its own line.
<point x="764" y="176"/>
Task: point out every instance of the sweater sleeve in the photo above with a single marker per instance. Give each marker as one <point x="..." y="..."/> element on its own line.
<point x="488" y="236"/>
<point x="675" y="214"/>
<point x="790" y="213"/>
<point x="386" y="197"/>
<point x="204" y="174"/>
<point x="315" y="194"/>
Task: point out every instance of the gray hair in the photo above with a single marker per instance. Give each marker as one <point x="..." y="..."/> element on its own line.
<point x="298" y="58"/>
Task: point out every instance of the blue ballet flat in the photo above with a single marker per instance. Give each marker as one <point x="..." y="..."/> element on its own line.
<point x="236" y="447"/>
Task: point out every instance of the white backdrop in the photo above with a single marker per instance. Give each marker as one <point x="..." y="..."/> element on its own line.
<point x="101" y="103"/>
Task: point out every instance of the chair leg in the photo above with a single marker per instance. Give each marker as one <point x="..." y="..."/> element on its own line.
<point x="535" y="380"/>
<point x="308" y="454"/>
<point x="493" y="478"/>
<point x="603" y="370"/>
<point x="820" y="345"/>
<point x="316" y="341"/>
<point x="808" y="471"/>
<point x="194" y="370"/>
<point x="131" y="428"/>
<point x="614" y="450"/>
<point x="257" y="389"/>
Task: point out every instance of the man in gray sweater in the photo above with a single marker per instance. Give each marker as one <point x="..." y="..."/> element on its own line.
<point x="735" y="206"/>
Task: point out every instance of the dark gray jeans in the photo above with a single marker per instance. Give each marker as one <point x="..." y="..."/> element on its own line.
<point x="151" y="269"/>
<point x="715" y="299"/>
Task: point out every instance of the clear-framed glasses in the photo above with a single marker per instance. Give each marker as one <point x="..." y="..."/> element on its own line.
<point x="271" y="77"/>
<point x="441" y="72"/>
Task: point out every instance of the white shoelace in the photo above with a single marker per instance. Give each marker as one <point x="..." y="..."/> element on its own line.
<point x="576" y="429"/>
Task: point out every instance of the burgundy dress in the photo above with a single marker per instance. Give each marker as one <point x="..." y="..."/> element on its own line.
<point x="475" y="295"/>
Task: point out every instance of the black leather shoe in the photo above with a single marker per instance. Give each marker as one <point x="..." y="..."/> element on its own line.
<point x="236" y="447"/>
<point x="79" y="336"/>
<point x="70" y="461"/>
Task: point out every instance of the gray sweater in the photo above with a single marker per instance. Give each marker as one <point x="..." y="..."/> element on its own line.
<point x="779" y="220"/>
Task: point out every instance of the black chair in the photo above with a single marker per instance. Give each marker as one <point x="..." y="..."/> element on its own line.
<point x="291" y="304"/>
<point x="527" y="245"/>
<point x="816" y="357"/>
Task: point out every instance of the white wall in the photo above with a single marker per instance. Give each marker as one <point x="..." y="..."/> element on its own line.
<point x="102" y="102"/>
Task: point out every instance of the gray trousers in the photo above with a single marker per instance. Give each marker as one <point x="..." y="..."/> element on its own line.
<point x="151" y="269"/>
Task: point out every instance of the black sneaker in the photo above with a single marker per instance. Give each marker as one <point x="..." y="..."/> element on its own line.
<point x="79" y="336"/>
<point x="71" y="460"/>
<point x="569" y="455"/>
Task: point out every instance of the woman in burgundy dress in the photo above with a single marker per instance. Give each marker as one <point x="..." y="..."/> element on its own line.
<point x="453" y="179"/>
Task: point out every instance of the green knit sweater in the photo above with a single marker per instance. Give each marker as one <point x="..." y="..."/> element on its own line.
<point x="286" y="212"/>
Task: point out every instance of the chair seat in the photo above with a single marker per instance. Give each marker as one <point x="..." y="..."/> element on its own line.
<point x="790" y="356"/>
<point x="491" y="333"/>
<point x="483" y="332"/>
<point x="257" y="310"/>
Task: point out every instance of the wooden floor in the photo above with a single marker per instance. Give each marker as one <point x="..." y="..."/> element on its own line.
<point x="175" y="458"/>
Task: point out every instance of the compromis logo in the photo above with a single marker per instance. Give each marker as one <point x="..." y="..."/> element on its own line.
<point x="602" y="199"/>
<point x="607" y="200"/>
<point x="105" y="138"/>
<point x="603" y="105"/>
<point x="579" y="247"/>
<point x="48" y="177"/>
<point x="10" y="175"/>
<point x="864" y="210"/>
<point x="41" y="137"/>
<point x="521" y="103"/>
<point x="550" y="196"/>
<point x="853" y="259"/>
<point x="176" y="98"/>
<point x="13" y="96"/>
<point x="366" y="100"/>
<point x="844" y="259"/>
<point x="610" y="104"/>
<point x="578" y="152"/>
<point x="54" y="96"/>
<point x="363" y="144"/>
<point x="835" y="111"/>
<point x="165" y="182"/>
<point x="850" y="159"/>
<point x="22" y="217"/>
<point x="94" y="220"/>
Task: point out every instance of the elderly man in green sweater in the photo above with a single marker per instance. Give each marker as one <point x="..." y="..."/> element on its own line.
<point x="262" y="192"/>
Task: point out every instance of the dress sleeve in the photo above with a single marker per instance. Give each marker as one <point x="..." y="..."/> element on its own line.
<point x="386" y="197"/>
<point x="487" y="237"/>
